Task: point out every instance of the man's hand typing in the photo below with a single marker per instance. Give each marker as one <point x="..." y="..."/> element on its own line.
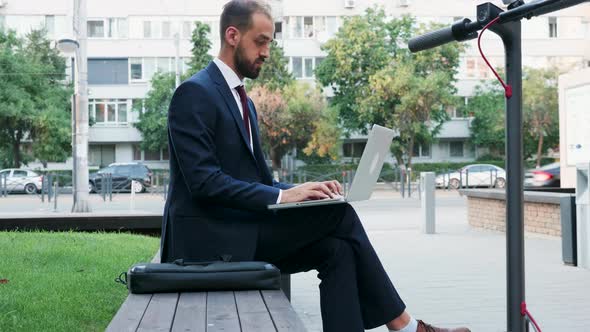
<point x="312" y="191"/>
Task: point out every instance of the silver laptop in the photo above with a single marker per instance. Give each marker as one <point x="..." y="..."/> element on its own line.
<point x="366" y="174"/>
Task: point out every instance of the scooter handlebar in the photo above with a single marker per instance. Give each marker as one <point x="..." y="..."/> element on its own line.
<point x="431" y="39"/>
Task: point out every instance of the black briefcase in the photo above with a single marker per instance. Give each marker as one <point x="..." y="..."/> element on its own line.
<point x="181" y="276"/>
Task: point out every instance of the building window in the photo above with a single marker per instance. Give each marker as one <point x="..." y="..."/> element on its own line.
<point x="117" y="28"/>
<point x="353" y="149"/>
<point x="122" y="28"/>
<point x="136" y="152"/>
<point x="137" y="108"/>
<point x="97" y="112"/>
<point x="295" y="26"/>
<point x="149" y="68"/>
<point x="151" y="155"/>
<point x="101" y="155"/>
<point x="456" y="149"/>
<point x="312" y="26"/>
<point x="143" y="69"/>
<point x="186" y="30"/>
<point x="136" y="69"/>
<point x="164" y="65"/>
<point x="50" y="24"/>
<point x="122" y="111"/>
<point x="421" y="150"/>
<point x="151" y="29"/>
<point x="278" y="30"/>
<point x="332" y="25"/>
<point x="166" y="29"/>
<point x="111" y="112"/>
<point x="308" y="67"/>
<point x="108" y="28"/>
<point x="108" y="111"/>
<point x="96" y="29"/>
<point x="297" y="67"/>
<point x="143" y="155"/>
<point x="304" y="67"/>
<point x="552" y="27"/>
<point x="112" y="30"/>
<point x="108" y="71"/>
<point x="147" y="29"/>
<point x="308" y="27"/>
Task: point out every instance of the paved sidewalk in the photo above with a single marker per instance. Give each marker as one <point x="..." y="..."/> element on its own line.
<point x="457" y="276"/>
<point x="454" y="277"/>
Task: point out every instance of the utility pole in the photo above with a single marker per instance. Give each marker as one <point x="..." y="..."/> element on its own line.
<point x="82" y="203"/>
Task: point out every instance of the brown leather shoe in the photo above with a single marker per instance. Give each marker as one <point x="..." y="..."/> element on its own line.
<point x="423" y="327"/>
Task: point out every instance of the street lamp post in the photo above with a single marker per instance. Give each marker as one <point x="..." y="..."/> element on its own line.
<point x="80" y="109"/>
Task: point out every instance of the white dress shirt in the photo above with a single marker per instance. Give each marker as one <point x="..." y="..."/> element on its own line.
<point x="233" y="81"/>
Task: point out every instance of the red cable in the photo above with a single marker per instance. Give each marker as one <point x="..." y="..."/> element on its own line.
<point x="527" y="314"/>
<point x="507" y="88"/>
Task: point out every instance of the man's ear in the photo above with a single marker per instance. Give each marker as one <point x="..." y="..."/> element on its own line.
<point x="232" y="36"/>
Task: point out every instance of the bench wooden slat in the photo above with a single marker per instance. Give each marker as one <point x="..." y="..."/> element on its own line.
<point x="191" y="313"/>
<point x="252" y="311"/>
<point x="281" y="311"/>
<point x="130" y="313"/>
<point x="159" y="313"/>
<point x="222" y="314"/>
<point x="247" y="311"/>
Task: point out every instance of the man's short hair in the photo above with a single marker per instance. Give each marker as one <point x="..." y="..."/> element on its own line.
<point x="238" y="13"/>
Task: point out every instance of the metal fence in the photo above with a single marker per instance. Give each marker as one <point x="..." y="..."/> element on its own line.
<point x="405" y="182"/>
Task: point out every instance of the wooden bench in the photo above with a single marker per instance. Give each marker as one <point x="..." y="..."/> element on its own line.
<point x="256" y="311"/>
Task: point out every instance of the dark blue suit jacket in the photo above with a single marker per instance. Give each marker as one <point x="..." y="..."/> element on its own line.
<point x="219" y="188"/>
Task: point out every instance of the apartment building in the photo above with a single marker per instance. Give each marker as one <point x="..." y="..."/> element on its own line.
<point x="128" y="41"/>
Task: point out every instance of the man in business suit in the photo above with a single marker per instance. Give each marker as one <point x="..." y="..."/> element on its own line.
<point x="220" y="187"/>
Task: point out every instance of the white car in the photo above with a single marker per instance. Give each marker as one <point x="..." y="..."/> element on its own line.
<point x="20" y="180"/>
<point x="477" y="175"/>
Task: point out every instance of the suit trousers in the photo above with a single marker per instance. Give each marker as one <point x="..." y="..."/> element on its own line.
<point x="355" y="291"/>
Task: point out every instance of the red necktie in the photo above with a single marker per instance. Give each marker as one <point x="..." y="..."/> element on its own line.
<point x="245" y="110"/>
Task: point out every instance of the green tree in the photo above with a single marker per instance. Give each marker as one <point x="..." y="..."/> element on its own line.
<point x="292" y="115"/>
<point x="286" y="119"/>
<point x="34" y="103"/>
<point x="487" y="107"/>
<point x="540" y="111"/>
<point x="540" y="114"/>
<point x="275" y="72"/>
<point x="324" y="143"/>
<point x="412" y="103"/>
<point x="363" y="46"/>
<point x="201" y="45"/>
<point x="377" y="81"/>
<point x="152" y="122"/>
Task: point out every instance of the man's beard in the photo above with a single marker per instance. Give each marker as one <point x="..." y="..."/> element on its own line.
<point x="246" y="69"/>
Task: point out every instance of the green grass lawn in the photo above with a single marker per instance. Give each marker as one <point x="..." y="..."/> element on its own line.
<point x="65" y="281"/>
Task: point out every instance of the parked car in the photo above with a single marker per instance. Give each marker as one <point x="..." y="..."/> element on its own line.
<point x="476" y="175"/>
<point x="546" y="176"/>
<point x="122" y="175"/>
<point x="20" y="180"/>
